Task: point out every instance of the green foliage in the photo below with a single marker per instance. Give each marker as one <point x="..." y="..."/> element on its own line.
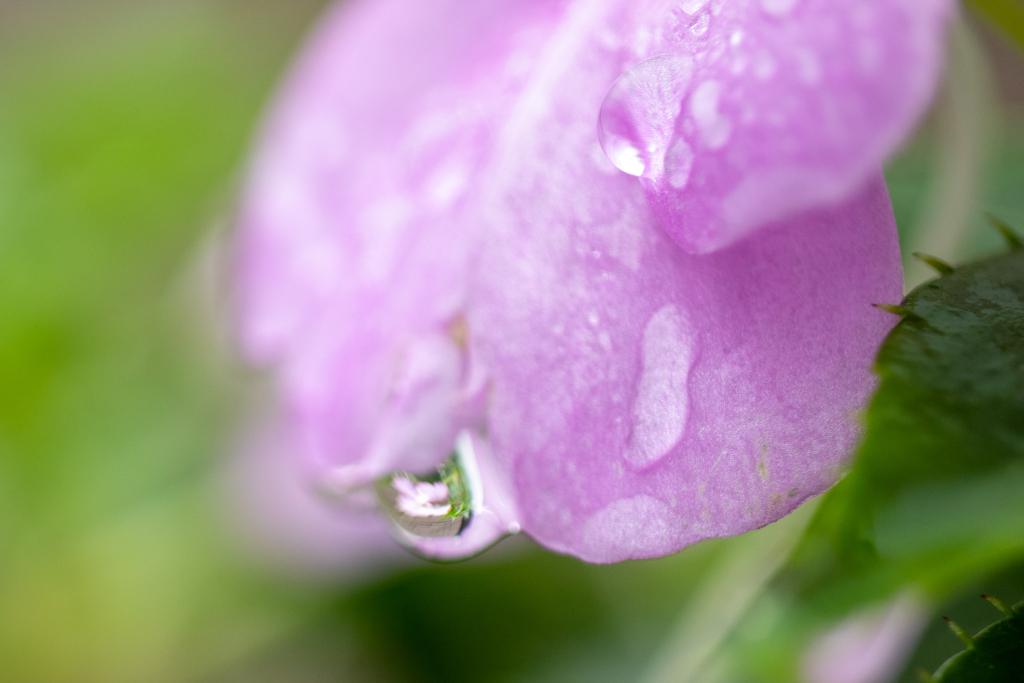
<point x="942" y="457"/>
<point x="1008" y="15"/>
<point x="941" y="464"/>
<point x="122" y="128"/>
<point x="952" y="393"/>
<point x="933" y="500"/>
<point x="996" y="655"/>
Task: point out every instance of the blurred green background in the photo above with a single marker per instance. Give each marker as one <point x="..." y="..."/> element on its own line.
<point x="124" y="128"/>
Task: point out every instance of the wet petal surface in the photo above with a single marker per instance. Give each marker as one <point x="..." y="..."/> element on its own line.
<point x="481" y="218"/>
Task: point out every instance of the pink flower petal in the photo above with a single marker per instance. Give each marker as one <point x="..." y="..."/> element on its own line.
<point x="353" y="253"/>
<point x="769" y="107"/>
<point x="433" y="240"/>
<point x="868" y="647"/>
<point x="645" y="399"/>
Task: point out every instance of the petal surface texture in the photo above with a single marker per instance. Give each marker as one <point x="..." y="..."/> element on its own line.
<point x="435" y="238"/>
<point x="643" y="398"/>
<point x="777" y="106"/>
<point x="354" y="244"/>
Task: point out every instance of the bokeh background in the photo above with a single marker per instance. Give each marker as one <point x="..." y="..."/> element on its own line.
<point x="124" y="130"/>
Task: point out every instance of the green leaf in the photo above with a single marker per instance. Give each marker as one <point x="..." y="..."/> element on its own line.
<point x="1008" y="15"/>
<point x="995" y="656"/>
<point x="935" y="488"/>
<point x="933" y="500"/>
<point x="951" y="400"/>
<point x="942" y="458"/>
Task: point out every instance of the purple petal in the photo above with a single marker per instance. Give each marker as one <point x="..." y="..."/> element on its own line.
<point x="773" y="106"/>
<point x="645" y="399"/>
<point x="433" y="240"/>
<point x="352" y="267"/>
<point x="868" y="647"/>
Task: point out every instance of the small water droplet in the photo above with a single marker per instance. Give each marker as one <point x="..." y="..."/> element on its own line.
<point x="444" y="514"/>
<point x="692" y="6"/>
<point x="638" y="115"/>
<point x="701" y="25"/>
<point x="662" y="402"/>
<point x="678" y="164"/>
<point x="433" y="505"/>
<point x="714" y="128"/>
<point x="778" y="8"/>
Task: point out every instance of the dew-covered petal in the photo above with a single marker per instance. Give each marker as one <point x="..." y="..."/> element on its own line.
<point x="642" y="398"/>
<point x="642" y="409"/>
<point x="352" y="264"/>
<point x="495" y="514"/>
<point x="784" y="105"/>
<point x="433" y="239"/>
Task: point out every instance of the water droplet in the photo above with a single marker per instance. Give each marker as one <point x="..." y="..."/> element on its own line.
<point x="662" y="400"/>
<point x="678" y="164"/>
<point x="692" y="6"/>
<point x="700" y="26"/>
<point x="778" y="8"/>
<point x="638" y="115"/>
<point x="442" y="514"/>
<point x="429" y="506"/>
<point x="714" y="128"/>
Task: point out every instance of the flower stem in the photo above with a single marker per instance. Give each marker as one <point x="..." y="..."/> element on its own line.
<point x="965" y="113"/>
<point x="730" y="587"/>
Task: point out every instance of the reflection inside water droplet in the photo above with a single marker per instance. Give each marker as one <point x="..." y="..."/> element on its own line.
<point x="455" y="512"/>
<point x="434" y="505"/>
<point x="638" y="115"/>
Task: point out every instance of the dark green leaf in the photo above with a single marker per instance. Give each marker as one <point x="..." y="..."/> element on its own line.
<point x="951" y="400"/>
<point x="933" y="500"/>
<point x="996" y="656"/>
